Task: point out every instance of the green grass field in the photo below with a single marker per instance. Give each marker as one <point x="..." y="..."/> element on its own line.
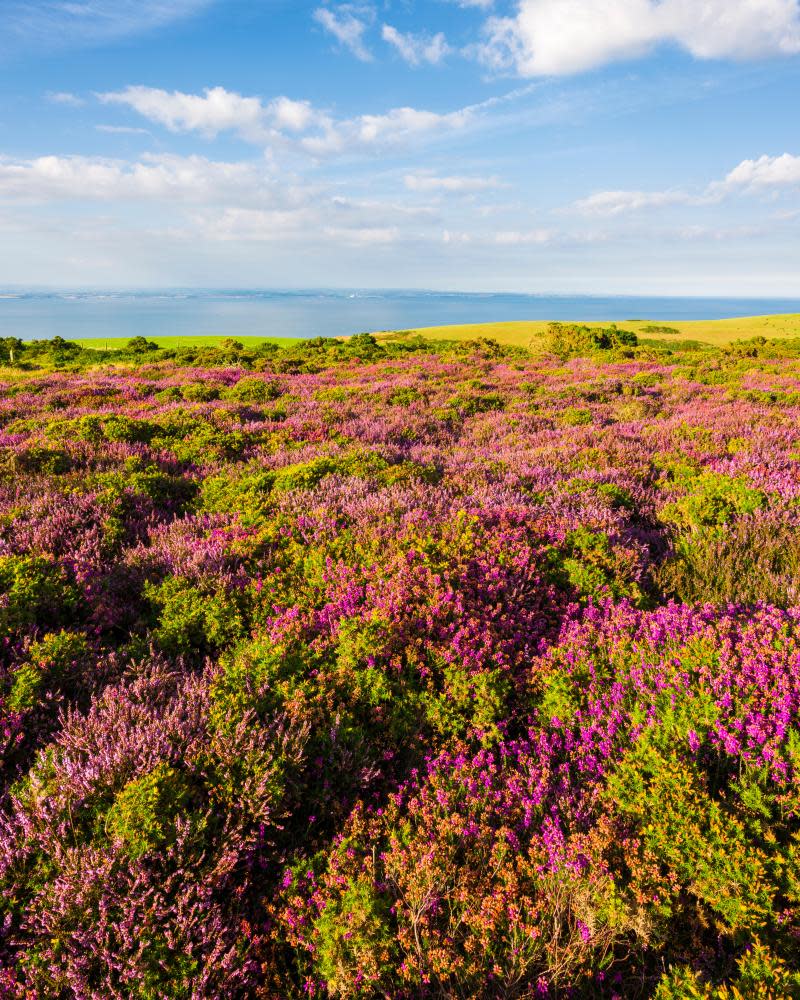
<point x="169" y="343"/>
<point x="714" y="332"/>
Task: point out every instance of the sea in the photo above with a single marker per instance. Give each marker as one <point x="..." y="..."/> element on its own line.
<point x="76" y="315"/>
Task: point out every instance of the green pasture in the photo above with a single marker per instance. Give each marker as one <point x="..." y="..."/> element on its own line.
<point x="717" y="333"/>
<point x="172" y="343"/>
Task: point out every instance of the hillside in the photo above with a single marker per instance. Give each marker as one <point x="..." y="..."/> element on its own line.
<point x="363" y="670"/>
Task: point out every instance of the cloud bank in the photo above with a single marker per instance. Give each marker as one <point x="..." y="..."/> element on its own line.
<point x="559" y="37"/>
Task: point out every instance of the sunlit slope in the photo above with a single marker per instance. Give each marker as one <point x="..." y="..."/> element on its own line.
<point x="716" y="332"/>
<point x="170" y="343"/>
<point x="522" y="334"/>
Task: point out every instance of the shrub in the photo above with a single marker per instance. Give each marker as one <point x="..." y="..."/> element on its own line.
<point x="189" y="619"/>
<point x="48" y="661"/>
<point x="354" y="941"/>
<point x="568" y="340"/>
<point x="200" y="392"/>
<point x="254" y="390"/>
<point x="713" y="499"/>
<point x="34" y="590"/>
<point x="142" y="816"/>
<point x="757" y="558"/>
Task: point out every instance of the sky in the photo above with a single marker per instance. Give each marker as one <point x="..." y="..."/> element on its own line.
<point x="539" y="146"/>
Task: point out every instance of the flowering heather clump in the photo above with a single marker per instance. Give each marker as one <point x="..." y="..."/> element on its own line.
<point x="401" y="671"/>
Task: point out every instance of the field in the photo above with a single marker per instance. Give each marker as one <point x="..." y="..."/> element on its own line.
<point x="526" y="334"/>
<point x="172" y="343"/>
<point x="714" y="332"/>
<point x="404" y="667"/>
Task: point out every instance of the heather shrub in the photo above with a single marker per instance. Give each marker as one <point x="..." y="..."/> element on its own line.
<point x="470" y="404"/>
<point x="757" y="558"/>
<point x="356" y="670"/>
<point x="589" y="564"/>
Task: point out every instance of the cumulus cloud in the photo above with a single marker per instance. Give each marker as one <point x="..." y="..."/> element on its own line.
<point x="763" y="174"/>
<point x="557" y="37"/>
<point x="282" y="121"/>
<point x="348" y="24"/>
<point x="216" y="110"/>
<point x="417" y="49"/>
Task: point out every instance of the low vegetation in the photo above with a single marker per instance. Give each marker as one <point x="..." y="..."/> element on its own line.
<point x="403" y="667"/>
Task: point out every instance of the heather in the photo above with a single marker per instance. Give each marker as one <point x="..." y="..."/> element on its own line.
<point x="399" y="668"/>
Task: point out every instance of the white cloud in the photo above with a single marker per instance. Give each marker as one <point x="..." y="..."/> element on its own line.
<point x="347" y="24"/>
<point x="153" y="178"/>
<point x="364" y="236"/>
<point x="121" y="130"/>
<point x="217" y="110"/>
<point x="530" y="237"/>
<point x="750" y="176"/>
<point x="765" y="172"/>
<point x="555" y="37"/>
<point x="417" y="49"/>
<point x="65" y="98"/>
<point x="195" y="198"/>
<point x="611" y="203"/>
<point x="450" y="185"/>
<point x="294" y="124"/>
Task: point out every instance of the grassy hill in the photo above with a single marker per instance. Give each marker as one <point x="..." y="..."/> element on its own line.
<point x="169" y="343"/>
<point x="525" y="334"/>
<point x="714" y="332"/>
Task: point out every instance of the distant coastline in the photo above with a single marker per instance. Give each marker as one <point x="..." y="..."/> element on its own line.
<point x="81" y="314"/>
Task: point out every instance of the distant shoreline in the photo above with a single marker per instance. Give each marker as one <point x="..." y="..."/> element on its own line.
<point x="113" y="315"/>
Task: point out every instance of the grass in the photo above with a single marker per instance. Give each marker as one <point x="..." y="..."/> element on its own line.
<point x="717" y="333"/>
<point x="171" y="343"/>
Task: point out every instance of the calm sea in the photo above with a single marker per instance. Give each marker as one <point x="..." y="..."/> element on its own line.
<point x="31" y="315"/>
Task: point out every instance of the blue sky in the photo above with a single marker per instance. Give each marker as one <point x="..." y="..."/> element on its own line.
<point x="608" y="146"/>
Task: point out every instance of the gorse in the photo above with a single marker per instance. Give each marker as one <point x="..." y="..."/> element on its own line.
<point x="397" y="669"/>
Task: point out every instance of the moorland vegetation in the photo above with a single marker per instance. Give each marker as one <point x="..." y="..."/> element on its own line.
<point x="400" y="668"/>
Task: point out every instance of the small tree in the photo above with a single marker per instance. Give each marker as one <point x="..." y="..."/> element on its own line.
<point x="10" y="349"/>
<point x="140" y="345"/>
